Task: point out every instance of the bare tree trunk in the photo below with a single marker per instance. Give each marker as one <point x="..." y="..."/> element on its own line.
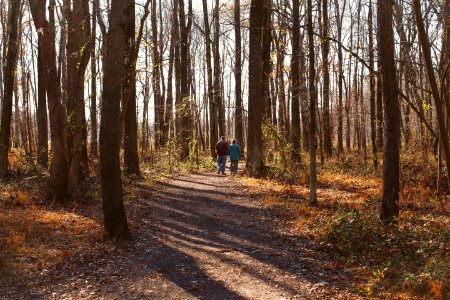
<point x="269" y="101"/>
<point x="304" y="96"/>
<point x="391" y="160"/>
<point x="340" y="77"/>
<point x="327" y="130"/>
<point x="159" y="105"/>
<point x="218" y="91"/>
<point x="94" y="134"/>
<point x="115" y="219"/>
<point x="79" y="51"/>
<point x="130" y="155"/>
<point x="9" y="68"/>
<point x="41" y="112"/>
<point x="146" y="100"/>
<point x="379" y="115"/>
<point x="312" y="110"/>
<point x="60" y="162"/>
<point x="295" y="127"/>
<point x="373" y="130"/>
<point x="255" y="108"/>
<point x="213" y="136"/>
<point x="168" y="116"/>
<point x="183" y="102"/>
<point x="238" y="119"/>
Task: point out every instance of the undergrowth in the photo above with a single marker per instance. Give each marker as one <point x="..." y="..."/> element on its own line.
<point x="409" y="261"/>
<point x="36" y="233"/>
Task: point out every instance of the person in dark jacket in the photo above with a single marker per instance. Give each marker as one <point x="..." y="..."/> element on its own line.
<point x="235" y="154"/>
<point x="221" y="151"/>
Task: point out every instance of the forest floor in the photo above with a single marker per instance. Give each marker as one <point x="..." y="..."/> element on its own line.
<point x="195" y="236"/>
<point x="205" y="236"/>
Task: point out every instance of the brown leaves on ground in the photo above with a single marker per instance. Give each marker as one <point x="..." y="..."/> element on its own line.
<point x="411" y="261"/>
<point x="36" y="235"/>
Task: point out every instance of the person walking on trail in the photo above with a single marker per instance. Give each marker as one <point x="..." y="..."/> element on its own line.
<point x="221" y="151"/>
<point x="235" y="154"/>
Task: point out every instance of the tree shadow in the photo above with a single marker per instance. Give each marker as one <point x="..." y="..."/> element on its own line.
<point x="182" y="225"/>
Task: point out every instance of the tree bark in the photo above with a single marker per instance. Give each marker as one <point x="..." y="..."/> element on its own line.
<point x="218" y="73"/>
<point x="327" y="130"/>
<point x="9" y="68"/>
<point x="94" y="125"/>
<point x="130" y="155"/>
<point x="42" y="122"/>
<point x="60" y="162"/>
<point x="373" y="130"/>
<point x="312" y="110"/>
<point x="238" y="118"/>
<point x="391" y="158"/>
<point x="79" y="51"/>
<point x="183" y="102"/>
<point x="340" y="78"/>
<point x="255" y="163"/>
<point x="159" y="105"/>
<point x="115" y="219"/>
<point x="213" y="135"/>
<point x="295" y="127"/>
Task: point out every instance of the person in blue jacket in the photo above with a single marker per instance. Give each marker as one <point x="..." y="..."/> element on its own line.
<point x="235" y="154"/>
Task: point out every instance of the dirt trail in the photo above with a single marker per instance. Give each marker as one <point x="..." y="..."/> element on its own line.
<point x="196" y="237"/>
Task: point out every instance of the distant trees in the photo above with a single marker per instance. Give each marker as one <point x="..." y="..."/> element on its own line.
<point x="318" y="75"/>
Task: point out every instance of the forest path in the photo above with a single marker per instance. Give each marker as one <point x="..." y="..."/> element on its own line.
<point x="199" y="236"/>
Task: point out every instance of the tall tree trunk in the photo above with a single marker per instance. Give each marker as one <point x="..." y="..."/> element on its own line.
<point x="130" y="155"/>
<point x="295" y="127"/>
<point x="9" y="68"/>
<point x="218" y="91"/>
<point x="255" y="108"/>
<point x="168" y="116"/>
<point x="340" y="77"/>
<point x="79" y="51"/>
<point x="391" y="158"/>
<point x="94" y="130"/>
<point x="146" y="100"/>
<point x="373" y="130"/>
<point x="42" y="123"/>
<point x="304" y="96"/>
<point x="62" y="54"/>
<point x="379" y="115"/>
<point x="213" y="136"/>
<point x="312" y="110"/>
<point x="238" y="118"/>
<point x="327" y="131"/>
<point x="270" y="101"/>
<point x="115" y="219"/>
<point x="159" y="105"/>
<point x="183" y="102"/>
<point x="60" y="162"/>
